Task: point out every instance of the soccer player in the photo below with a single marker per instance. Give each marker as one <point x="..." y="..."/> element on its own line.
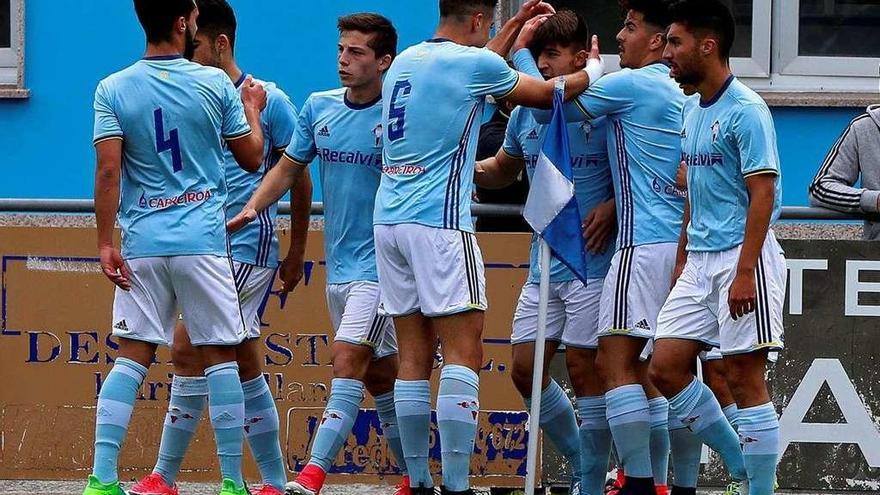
<point x="431" y="273"/>
<point x="342" y="129"/>
<point x="730" y="270"/>
<point x="169" y="139"/>
<point x="560" y="47"/>
<point x="255" y="260"/>
<point x="644" y="109"/>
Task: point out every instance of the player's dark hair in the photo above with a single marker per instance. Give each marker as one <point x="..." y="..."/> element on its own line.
<point x="707" y="18"/>
<point x="216" y="17"/>
<point x="655" y="12"/>
<point x="564" y="28"/>
<point x="158" y="16"/>
<point x="384" y="37"/>
<point x="464" y="8"/>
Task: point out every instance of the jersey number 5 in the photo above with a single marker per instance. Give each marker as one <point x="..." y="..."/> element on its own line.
<point x="397" y="111"/>
<point x="171" y="144"/>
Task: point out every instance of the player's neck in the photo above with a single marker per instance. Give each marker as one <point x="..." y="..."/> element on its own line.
<point x="713" y="83"/>
<point x="447" y="31"/>
<point x="367" y="93"/>
<point x="231" y="69"/>
<point x="163" y="49"/>
<point x="651" y="58"/>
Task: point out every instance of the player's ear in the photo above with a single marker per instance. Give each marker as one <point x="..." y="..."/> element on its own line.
<point x="222" y="43"/>
<point x="385" y="62"/>
<point x="477" y="22"/>
<point x="658" y="41"/>
<point x="580" y="58"/>
<point x="707" y="46"/>
<point x="180" y="25"/>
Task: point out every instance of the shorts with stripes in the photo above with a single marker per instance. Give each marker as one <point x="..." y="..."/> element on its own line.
<point x="353" y="312"/>
<point x="697" y="308"/>
<point x="635" y="289"/>
<point x="437" y="272"/>
<point x="252" y="284"/>
<point x="200" y="286"/>
<point x="572" y="314"/>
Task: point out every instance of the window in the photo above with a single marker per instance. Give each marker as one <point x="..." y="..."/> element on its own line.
<point x="11" y="41"/>
<point x="5" y="24"/>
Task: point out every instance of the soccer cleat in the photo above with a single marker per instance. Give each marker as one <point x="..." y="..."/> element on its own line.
<point x="153" y="484"/>
<point x="575" y="487"/>
<point x="403" y="488"/>
<point x="95" y="487"/>
<point x="737" y="488"/>
<point x="267" y="490"/>
<point x="661" y="489"/>
<point x="309" y="482"/>
<point x="444" y="491"/>
<point x="229" y="488"/>
<point x="615" y="481"/>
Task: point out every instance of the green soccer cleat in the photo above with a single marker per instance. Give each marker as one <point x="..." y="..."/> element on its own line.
<point x="229" y="488"/>
<point x="737" y="488"/>
<point x="95" y="487"/>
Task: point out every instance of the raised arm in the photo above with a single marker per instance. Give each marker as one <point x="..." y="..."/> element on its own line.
<point x="248" y="148"/>
<point x="505" y="37"/>
<point x="498" y="171"/>
<point x="275" y="184"/>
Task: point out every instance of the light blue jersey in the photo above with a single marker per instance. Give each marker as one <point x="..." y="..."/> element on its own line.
<point x="173" y="116"/>
<point x="592" y="179"/>
<point x="724" y="141"/>
<point x="256" y="243"/>
<point x="346" y="139"/>
<point x="433" y="96"/>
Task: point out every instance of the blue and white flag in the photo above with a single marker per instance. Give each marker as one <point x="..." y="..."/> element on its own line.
<point x="551" y="208"/>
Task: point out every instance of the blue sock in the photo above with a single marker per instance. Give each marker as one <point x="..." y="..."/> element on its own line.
<point x="560" y="425"/>
<point x="595" y="444"/>
<point x="687" y="449"/>
<point x="115" y="403"/>
<point x="261" y="431"/>
<point x="697" y="407"/>
<point x="658" y="409"/>
<point x="630" y="422"/>
<point x="339" y="416"/>
<point x="388" y="418"/>
<point x="413" y="405"/>
<point x="226" y="406"/>
<point x="457" y="410"/>
<point x="759" y="434"/>
<point x="731" y="412"/>
<point x="189" y="394"/>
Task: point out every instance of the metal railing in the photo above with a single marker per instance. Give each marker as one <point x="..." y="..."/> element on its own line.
<point x="85" y="206"/>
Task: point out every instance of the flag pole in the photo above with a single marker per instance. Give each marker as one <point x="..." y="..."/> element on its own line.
<point x="537" y="370"/>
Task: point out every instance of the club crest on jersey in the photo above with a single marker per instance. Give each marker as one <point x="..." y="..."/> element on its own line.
<point x="716" y="128"/>
<point x="324" y="131"/>
<point x="377" y="134"/>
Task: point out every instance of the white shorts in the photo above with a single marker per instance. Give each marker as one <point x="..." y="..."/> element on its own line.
<point x="202" y="287"/>
<point x="353" y="312"/>
<point x="572" y="314"/>
<point x="714" y="354"/>
<point x="697" y="308"/>
<point x="253" y="284"/>
<point x="437" y="272"/>
<point x="635" y="289"/>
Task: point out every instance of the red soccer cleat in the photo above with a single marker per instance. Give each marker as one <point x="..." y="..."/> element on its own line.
<point x="403" y="487"/>
<point x="267" y="490"/>
<point x="153" y="484"/>
<point x="309" y="482"/>
<point x="661" y="489"/>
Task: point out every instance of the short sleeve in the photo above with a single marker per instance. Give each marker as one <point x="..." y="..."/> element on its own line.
<point x="302" y="145"/>
<point x="235" y="124"/>
<point x="512" y="145"/>
<point x="611" y="94"/>
<point x="755" y="138"/>
<point x="492" y="76"/>
<point x="281" y="115"/>
<point x="107" y="124"/>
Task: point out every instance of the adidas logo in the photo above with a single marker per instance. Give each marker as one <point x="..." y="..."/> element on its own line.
<point x="223" y="417"/>
<point x="103" y="412"/>
<point x="324" y="131"/>
<point x="533" y="134"/>
<point x="643" y="325"/>
<point x="120" y="325"/>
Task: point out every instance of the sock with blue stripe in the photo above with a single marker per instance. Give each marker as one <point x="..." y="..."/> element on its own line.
<point x="115" y="404"/>
<point x="413" y="405"/>
<point x="658" y="409"/>
<point x="759" y="434"/>
<point x="697" y="407"/>
<point x="595" y="437"/>
<point x="391" y="432"/>
<point x="630" y="422"/>
<point x="457" y="410"/>
<point x="687" y="448"/>
<point x="261" y="430"/>
<point x="342" y="409"/>
<point x="226" y="407"/>
<point x="560" y="425"/>
<point x="731" y="412"/>
<point x="189" y="395"/>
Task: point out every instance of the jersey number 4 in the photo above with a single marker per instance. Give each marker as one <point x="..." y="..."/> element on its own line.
<point x="397" y="110"/>
<point x="171" y="144"/>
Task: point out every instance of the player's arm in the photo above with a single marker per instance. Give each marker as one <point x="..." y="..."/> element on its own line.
<point x="107" y="174"/>
<point x="681" y="253"/>
<point x="274" y="185"/>
<point x="291" y="270"/>
<point x="505" y="37"/>
<point x="498" y="171"/>
<point x="248" y="148"/>
<point x="834" y="184"/>
<point x="599" y="226"/>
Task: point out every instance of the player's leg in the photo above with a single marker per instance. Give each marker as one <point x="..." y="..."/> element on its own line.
<point x="686" y="450"/>
<point x="658" y="410"/>
<point x="715" y="376"/>
<point x="141" y="319"/>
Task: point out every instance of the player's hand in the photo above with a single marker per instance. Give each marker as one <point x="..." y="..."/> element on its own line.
<point x="253" y="94"/>
<point x="114" y="267"/>
<point x="527" y="33"/>
<point x="743" y="297"/>
<point x="599" y="227"/>
<point x="244" y="217"/>
<point x="532" y="8"/>
<point x="681" y="176"/>
<point x="291" y="272"/>
<point x="594" y="48"/>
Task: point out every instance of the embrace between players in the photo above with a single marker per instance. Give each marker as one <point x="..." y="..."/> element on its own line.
<point x="194" y="154"/>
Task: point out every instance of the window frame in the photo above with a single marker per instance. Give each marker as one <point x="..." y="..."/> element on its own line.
<point x="12" y="58"/>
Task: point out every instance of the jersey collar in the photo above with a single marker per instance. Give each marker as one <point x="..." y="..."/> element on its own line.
<point x="241" y="79"/>
<point x="439" y="40"/>
<point x="719" y="94"/>
<point x="359" y="106"/>
<point x="165" y="57"/>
